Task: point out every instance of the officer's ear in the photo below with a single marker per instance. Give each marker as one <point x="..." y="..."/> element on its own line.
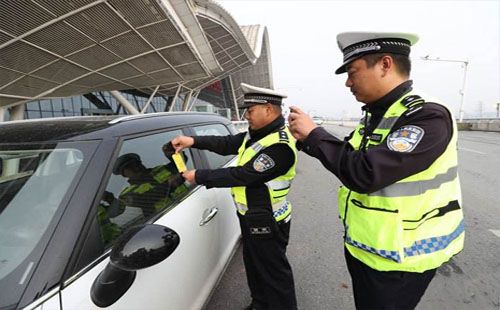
<point x="269" y="109"/>
<point x="386" y="64"/>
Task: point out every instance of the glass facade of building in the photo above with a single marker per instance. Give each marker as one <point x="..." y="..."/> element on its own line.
<point x="80" y="105"/>
<point x="103" y="103"/>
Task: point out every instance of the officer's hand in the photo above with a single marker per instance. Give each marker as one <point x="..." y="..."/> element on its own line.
<point x="189" y="175"/>
<point x="181" y="142"/>
<point x="300" y="124"/>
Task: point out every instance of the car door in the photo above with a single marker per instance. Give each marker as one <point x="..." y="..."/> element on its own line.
<point x="228" y="231"/>
<point x="183" y="280"/>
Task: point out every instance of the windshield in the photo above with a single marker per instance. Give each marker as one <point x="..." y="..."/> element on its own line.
<point x="34" y="182"/>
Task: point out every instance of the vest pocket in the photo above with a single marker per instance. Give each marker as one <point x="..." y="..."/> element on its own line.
<point x="375" y="229"/>
<point x="359" y="204"/>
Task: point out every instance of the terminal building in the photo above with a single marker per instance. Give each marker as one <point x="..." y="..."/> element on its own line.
<point x="98" y="57"/>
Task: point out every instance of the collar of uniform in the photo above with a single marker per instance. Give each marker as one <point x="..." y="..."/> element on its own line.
<point x="382" y="104"/>
<point x="264" y="131"/>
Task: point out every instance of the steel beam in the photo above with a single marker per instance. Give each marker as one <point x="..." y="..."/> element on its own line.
<point x="17" y="112"/>
<point x="150" y="99"/>
<point x="124" y="102"/>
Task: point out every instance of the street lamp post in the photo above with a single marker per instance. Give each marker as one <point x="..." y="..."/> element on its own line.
<point x="462" y="91"/>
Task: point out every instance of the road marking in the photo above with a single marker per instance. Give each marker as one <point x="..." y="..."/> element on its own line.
<point x="495" y="232"/>
<point x="473" y="151"/>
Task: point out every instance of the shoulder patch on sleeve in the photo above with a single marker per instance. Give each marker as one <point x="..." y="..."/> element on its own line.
<point x="405" y="139"/>
<point x="263" y="163"/>
<point x="283" y="136"/>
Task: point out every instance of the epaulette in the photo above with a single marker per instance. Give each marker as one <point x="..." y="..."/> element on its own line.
<point x="412" y="100"/>
<point x="412" y="110"/>
<point x="283" y="136"/>
<point x="413" y="103"/>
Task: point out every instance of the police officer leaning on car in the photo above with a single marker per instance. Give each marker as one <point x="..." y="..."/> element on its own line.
<point x="259" y="185"/>
<point x="400" y="201"/>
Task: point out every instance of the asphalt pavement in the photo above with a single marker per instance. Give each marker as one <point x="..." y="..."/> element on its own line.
<point x="471" y="280"/>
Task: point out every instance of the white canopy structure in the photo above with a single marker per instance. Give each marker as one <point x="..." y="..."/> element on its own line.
<point x="60" y="48"/>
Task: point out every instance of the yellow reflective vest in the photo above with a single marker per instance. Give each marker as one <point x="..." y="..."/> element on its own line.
<point x="415" y="224"/>
<point x="278" y="187"/>
<point x="151" y="194"/>
<point x="109" y="230"/>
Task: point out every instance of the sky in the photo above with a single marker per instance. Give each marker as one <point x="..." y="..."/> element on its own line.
<point x="305" y="54"/>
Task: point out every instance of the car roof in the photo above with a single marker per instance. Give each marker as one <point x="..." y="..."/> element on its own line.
<point x="98" y="127"/>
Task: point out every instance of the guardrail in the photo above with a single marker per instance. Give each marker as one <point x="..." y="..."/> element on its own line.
<point x="480" y="125"/>
<point x="344" y="123"/>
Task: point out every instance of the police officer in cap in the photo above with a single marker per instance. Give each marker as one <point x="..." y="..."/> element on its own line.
<point x="259" y="183"/>
<point x="400" y="202"/>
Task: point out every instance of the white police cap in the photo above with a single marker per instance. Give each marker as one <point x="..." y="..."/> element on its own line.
<point x="357" y="44"/>
<point x="258" y="95"/>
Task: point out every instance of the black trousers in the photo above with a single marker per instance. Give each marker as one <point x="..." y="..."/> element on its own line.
<point x="269" y="274"/>
<point x="375" y="289"/>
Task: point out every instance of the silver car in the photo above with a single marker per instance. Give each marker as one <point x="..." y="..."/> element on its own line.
<point x="94" y="214"/>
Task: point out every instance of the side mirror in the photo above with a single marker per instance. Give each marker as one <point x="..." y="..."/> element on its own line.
<point x="139" y="247"/>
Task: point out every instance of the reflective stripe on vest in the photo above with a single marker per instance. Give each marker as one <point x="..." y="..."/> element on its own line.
<point x="419" y="247"/>
<point x="415" y="224"/>
<point x="280" y="208"/>
<point x="278" y="187"/>
<point x="417" y="187"/>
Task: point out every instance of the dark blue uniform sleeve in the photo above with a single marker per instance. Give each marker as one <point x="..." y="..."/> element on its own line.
<point x="280" y="158"/>
<point x="222" y="145"/>
<point x="379" y="166"/>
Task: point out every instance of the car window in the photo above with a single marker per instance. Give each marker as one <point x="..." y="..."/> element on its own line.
<point x="214" y="160"/>
<point x="144" y="181"/>
<point x="35" y="182"/>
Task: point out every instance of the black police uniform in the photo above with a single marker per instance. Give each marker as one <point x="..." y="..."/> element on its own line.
<point x="370" y="170"/>
<point x="269" y="274"/>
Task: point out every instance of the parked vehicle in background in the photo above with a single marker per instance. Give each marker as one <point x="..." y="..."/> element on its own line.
<point x="75" y="233"/>
<point x="318" y="120"/>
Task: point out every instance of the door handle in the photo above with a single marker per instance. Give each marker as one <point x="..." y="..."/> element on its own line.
<point x="208" y="217"/>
